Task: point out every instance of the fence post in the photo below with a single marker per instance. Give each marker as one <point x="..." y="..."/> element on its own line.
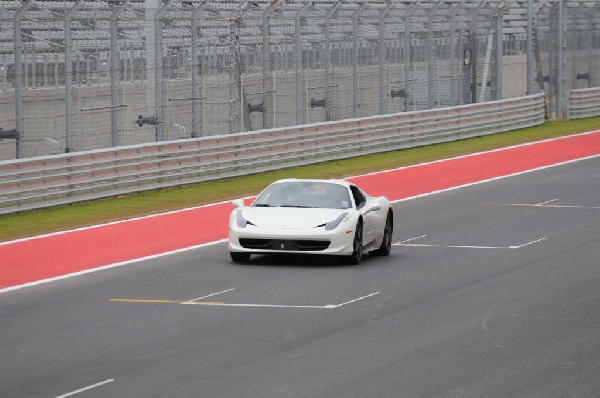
<point x="330" y="14"/>
<point x="195" y="69"/>
<point x="158" y="70"/>
<point x="267" y="93"/>
<point x="355" y="58"/>
<point x="19" y="76"/>
<point x="69" y="75"/>
<point x="298" y="60"/>
<point x="382" y="55"/>
<point x="114" y="69"/>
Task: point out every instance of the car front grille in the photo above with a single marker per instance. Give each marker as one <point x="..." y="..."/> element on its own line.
<point x="286" y="245"/>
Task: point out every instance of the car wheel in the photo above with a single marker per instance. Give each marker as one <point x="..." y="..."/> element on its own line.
<point x="357" y="245"/>
<point x="386" y="243"/>
<point x="240" y="257"/>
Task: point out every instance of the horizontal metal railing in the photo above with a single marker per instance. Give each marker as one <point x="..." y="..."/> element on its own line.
<point x="68" y="178"/>
<point x="584" y="103"/>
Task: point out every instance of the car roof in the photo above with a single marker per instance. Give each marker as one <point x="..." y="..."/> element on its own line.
<point x="330" y="181"/>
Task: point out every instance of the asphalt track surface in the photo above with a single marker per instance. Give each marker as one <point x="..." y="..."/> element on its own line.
<point x="492" y="290"/>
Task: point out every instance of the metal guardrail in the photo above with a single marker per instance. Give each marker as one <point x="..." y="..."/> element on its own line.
<point x="67" y="178"/>
<point x="584" y="103"/>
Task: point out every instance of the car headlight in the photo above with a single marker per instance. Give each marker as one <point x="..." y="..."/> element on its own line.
<point x="241" y="221"/>
<point x="334" y="223"/>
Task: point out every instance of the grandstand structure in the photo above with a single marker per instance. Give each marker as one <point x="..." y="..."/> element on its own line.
<point x="85" y="74"/>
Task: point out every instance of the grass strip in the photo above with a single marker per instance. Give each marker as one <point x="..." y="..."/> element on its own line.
<point x="60" y="218"/>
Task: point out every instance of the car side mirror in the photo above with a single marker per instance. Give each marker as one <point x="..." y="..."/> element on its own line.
<point x="238" y="203"/>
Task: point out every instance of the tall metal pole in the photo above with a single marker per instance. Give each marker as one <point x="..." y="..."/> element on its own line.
<point x="382" y="55"/>
<point x="355" y="60"/>
<point x="19" y="76"/>
<point x="158" y="70"/>
<point x="298" y="58"/>
<point x="69" y="75"/>
<point x="114" y="72"/>
<point x="328" y="65"/>
<point x="195" y="69"/>
<point x="561" y="60"/>
<point x="266" y="68"/>
<point x="530" y="64"/>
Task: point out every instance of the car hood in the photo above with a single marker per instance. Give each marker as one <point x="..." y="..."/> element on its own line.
<point x="289" y="217"/>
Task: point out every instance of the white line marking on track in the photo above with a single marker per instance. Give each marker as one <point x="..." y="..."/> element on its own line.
<point x="70" y="394"/>
<point x="546" y="202"/>
<point x="355" y="300"/>
<point x="220" y="304"/>
<point x="411" y="239"/>
<point x="470" y="247"/>
<point x="207" y="296"/>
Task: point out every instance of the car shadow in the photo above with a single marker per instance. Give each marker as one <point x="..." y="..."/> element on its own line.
<point x="306" y="261"/>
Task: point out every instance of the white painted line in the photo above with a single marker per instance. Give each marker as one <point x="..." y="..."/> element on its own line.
<point x="545" y="206"/>
<point x="454" y="247"/>
<point x="320" y="307"/>
<point x="355" y="300"/>
<point x="411" y="239"/>
<point x="70" y="394"/>
<point x="470" y="247"/>
<point x="207" y="296"/>
<point x="546" y="202"/>
<point x="261" y="305"/>
<point x="527" y="244"/>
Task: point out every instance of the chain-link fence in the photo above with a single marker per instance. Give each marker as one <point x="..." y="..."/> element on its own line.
<point x="86" y="74"/>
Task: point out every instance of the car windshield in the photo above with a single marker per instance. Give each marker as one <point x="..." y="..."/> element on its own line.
<point x="304" y="194"/>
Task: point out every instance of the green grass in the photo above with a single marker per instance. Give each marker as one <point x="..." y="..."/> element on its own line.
<point x="30" y="223"/>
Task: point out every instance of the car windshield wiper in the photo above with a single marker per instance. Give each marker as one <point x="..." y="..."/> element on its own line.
<point x="300" y="207"/>
<point x="262" y="205"/>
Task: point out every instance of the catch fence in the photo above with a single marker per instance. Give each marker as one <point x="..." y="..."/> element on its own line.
<point x="88" y="74"/>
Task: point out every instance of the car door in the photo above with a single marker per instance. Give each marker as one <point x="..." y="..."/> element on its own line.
<point x="371" y="219"/>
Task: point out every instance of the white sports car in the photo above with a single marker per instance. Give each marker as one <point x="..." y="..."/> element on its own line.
<point x="331" y="217"/>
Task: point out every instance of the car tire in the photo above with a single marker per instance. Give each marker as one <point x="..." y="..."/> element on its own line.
<point x="386" y="243"/>
<point x="240" y="257"/>
<point x="355" y="257"/>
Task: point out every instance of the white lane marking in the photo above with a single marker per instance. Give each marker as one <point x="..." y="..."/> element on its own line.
<point x="548" y="206"/>
<point x="260" y="305"/>
<point x="411" y="239"/>
<point x="321" y="307"/>
<point x="470" y="247"/>
<point x="207" y="296"/>
<point x="527" y="244"/>
<point x="70" y="394"/>
<point x="109" y="266"/>
<point x="546" y="202"/>
<point x="355" y="300"/>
